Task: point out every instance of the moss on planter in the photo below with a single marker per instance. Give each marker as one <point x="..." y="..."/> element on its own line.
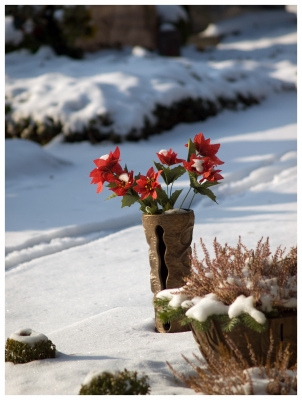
<point x="120" y="383"/>
<point x="26" y="345"/>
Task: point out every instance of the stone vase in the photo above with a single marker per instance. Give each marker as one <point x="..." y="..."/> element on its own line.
<point x="169" y="237"/>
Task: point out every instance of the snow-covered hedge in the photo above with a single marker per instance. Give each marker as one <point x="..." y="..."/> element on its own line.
<point x="123" y="95"/>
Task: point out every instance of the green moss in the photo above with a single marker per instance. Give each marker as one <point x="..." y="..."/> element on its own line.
<point x="167" y="314"/>
<point x="20" y="353"/>
<point x="121" y="383"/>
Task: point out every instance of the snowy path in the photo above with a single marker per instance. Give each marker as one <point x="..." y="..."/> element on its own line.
<point x="56" y="240"/>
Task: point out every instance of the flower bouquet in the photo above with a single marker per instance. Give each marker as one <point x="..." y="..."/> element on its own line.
<point x="168" y="230"/>
<point x="146" y="189"/>
<point x="238" y="293"/>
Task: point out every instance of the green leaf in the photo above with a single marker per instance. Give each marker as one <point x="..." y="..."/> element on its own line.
<point x="170" y="175"/>
<point x="162" y="197"/>
<point x="166" y="172"/>
<point x="167" y="206"/>
<point x="175" y="173"/>
<point x="201" y="189"/>
<point x="229" y="324"/>
<point x="149" y="206"/>
<point x="201" y="326"/>
<point x="206" y="192"/>
<point x="128" y="200"/>
<point x="111" y="196"/>
<point x="152" y="210"/>
<point x="165" y="312"/>
<point x="193" y="181"/>
<point x="158" y="165"/>
<point x="191" y="149"/>
<point x="161" y="302"/>
<point x="148" y="201"/>
<point x="175" y="196"/>
<point x="251" y="323"/>
<point x="207" y="184"/>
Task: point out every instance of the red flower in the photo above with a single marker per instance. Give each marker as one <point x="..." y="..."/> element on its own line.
<point x="212" y="175"/>
<point x="195" y="164"/>
<point x="204" y="148"/>
<point x="107" y="165"/>
<point x="108" y="161"/>
<point x="146" y="185"/>
<point x="168" y="157"/>
<point x="99" y="177"/>
<point x="123" y="183"/>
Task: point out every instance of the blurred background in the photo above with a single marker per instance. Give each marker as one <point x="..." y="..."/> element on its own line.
<point x="160" y="34"/>
<point x="73" y="30"/>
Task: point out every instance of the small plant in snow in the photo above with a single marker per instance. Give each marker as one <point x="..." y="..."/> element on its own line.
<point x="230" y="375"/>
<point x="120" y="383"/>
<point x="26" y="345"/>
<point x="237" y="286"/>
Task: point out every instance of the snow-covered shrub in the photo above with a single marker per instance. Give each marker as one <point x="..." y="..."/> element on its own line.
<point x="225" y="375"/>
<point x="121" y="383"/>
<point x="26" y="128"/>
<point x="237" y="286"/>
<point x="26" y="345"/>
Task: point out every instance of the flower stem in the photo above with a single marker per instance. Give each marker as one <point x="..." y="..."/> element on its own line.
<point x="184" y="199"/>
<point x="171" y="189"/>
<point x="192" y="200"/>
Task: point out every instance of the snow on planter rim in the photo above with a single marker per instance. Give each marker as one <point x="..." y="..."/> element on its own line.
<point x="200" y="308"/>
<point x="28" y="336"/>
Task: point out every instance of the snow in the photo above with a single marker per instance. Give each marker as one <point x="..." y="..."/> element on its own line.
<point x="12" y="35"/>
<point x="28" y="336"/>
<point x="244" y="304"/>
<point x="176" y="300"/>
<point x="208" y="305"/>
<point x="77" y="267"/>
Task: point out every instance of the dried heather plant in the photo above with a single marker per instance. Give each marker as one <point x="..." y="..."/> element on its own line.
<point x="230" y="375"/>
<point x="235" y="271"/>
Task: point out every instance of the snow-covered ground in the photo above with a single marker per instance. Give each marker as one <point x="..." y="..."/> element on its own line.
<point x="77" y="267"/>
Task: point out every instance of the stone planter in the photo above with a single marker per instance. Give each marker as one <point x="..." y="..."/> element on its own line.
<point x="283" y="328"/>
<point x="169" y="237"/>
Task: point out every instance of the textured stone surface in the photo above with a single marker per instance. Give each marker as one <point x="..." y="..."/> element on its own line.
<point x="169" y="238"/>
<point x="283" y="328"/>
